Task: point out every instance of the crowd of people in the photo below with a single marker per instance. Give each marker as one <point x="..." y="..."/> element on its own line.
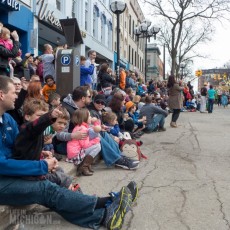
<point x="38" y="126"/>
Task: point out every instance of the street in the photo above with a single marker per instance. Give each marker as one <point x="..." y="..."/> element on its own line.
<point x="184" y="183"/>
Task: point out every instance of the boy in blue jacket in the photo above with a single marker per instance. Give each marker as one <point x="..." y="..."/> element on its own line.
<point x="85" y="72"/>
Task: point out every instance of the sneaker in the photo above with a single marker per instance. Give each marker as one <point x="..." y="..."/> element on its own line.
<point x="133" y="161"/>
<point x="77" y="188"/>
<point x="126" y="163"/>
<point x="132" y="186"/>
<point x="162" y="129"/>
<point x="116" y="211"/>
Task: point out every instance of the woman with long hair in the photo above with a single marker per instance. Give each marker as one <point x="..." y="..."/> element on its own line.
<point x="34" y="90"/>
<point x="104" y="77"/>
<point x="175" y="101"/>
<point x="117" y="104"/>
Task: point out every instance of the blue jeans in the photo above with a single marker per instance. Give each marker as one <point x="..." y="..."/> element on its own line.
<point x="109" y="149"/>
<point x="158" y="119"/>
<point x="75" y="207"/>
<point x="210" y="105"/>
<point x="94" y="86"/>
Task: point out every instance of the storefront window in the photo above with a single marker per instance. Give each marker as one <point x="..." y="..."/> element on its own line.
<point x="74" y="9"/>
<point x="58" y="4"/>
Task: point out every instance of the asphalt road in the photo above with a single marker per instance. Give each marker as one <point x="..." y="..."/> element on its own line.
<point x="185" y="182"/>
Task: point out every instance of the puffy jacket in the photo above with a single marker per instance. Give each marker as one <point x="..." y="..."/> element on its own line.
<point x="75" y="146"/>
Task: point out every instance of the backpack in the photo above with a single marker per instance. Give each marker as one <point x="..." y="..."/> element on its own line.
<point x="130" y="149"/>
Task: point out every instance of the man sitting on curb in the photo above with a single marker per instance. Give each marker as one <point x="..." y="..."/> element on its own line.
<point x="155" y="116"/>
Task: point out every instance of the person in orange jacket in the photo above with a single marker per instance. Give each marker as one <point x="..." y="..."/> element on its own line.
<point x="122" y="78"/>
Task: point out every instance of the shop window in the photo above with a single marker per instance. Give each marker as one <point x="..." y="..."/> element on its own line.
<point x="74" y="7"/>
<point x="129" y="53"/>
<point x="86" y="15"/>
<point x="58" y="4"/>
<point x="130" y="22"/>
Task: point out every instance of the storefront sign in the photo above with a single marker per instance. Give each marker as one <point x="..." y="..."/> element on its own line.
<point x="44" y="12"/>
<point x="11" y="4"/>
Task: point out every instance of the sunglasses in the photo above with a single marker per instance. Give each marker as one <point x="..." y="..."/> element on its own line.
<point x="100" y="102"/>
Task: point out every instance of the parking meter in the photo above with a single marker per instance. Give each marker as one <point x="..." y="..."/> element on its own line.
<point x="67" y="62"/>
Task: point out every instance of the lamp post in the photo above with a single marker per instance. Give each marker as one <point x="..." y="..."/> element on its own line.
<point x="143" y="31"/>
<point x="118" y="7"/>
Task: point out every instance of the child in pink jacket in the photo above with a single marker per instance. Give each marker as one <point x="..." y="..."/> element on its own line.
<point x="83" y="151"/>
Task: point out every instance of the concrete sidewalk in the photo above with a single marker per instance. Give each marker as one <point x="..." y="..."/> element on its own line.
<point x="184" y="183"/>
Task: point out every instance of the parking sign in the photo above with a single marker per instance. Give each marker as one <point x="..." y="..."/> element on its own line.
<point x="65" y="59"/>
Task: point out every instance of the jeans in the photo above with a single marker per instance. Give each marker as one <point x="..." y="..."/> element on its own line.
<point x="75" y="207"/>
<point x="94" y="86"/>
<point x="203" y="104"/>
<point x="210" y="105"/>
<point x="158" y="119"/>
<point x="109" y="149"/>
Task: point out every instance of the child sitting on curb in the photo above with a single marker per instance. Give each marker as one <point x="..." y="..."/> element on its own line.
<point x="82" y="152"/>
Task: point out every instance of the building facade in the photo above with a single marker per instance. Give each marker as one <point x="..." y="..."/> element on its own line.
<point x="216" y="77"/>
<point x="39" y="24"/>
<point x="94" y="19"/>
<point x="11" y="12"/>
<point x="131" y="50"/>
<point x="154" y="63"/>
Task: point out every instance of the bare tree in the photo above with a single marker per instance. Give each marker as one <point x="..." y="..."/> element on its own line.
<point x="181" y="18"/>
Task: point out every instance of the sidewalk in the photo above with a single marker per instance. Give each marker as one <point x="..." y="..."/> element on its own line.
<point x="184" y="184"/>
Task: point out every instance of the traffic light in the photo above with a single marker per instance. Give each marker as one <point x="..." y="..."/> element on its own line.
<point x="198" y="73"/>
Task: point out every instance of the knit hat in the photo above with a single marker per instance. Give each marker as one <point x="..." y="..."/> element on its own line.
<point x="128" y="105"/>
<point x="99" y="97"/>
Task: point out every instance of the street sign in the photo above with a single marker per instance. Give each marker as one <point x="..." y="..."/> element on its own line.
<point x="65" y="60"/>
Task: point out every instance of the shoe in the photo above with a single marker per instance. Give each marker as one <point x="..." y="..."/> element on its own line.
<point x="83" y="167"/>
<point x="133" y="161"/>
<point x="132" y="186"/>
<point x="57" y="156"/>
<point x="116" y="211"/>
<point x="126" y="163"/>
<point x="77" y="188"/>
<point x="147" y="130"/>
<point x="161" y="129"/>
<point x="173" y="124"/>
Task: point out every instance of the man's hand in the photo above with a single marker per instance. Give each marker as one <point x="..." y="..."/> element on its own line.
<point x="47" y="154"/>
<point x="79" y="135"/>
<point x="48" y="139"/>
<point x="52" y="163"/>
<point x="56" y="112"/>
<point x="24" y="83"/>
